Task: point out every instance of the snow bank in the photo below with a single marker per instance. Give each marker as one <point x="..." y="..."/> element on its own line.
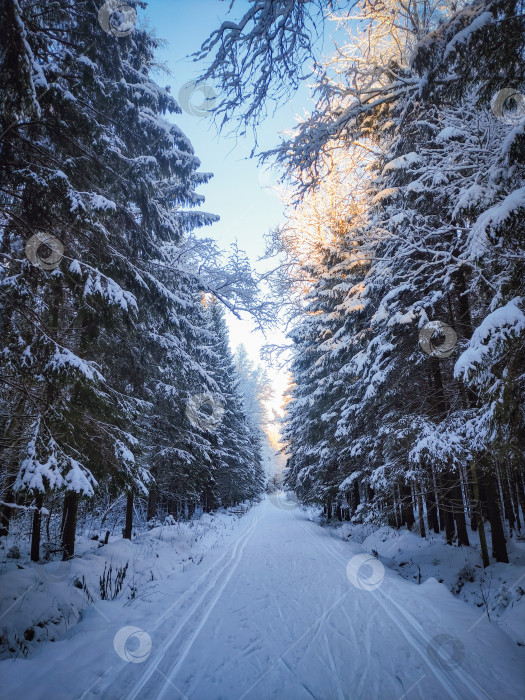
<point x="43" y="602"/>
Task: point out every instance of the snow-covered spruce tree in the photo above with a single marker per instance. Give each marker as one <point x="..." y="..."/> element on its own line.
<point x="441" y="152"/>
<point x="89" y="166"/>
<point x="406" y="285"/>
<point x="487" y="208"/>
<point x="312" y="467"/>
<point x="325" y="264"/>
<point x="236" y="448"/>
<point x="421" y="88"/>
<point x="205" y="451"/>
<point x="256" y="390"/>
<point x="450" y="162"/>
<point x="175" y="352"/>
<point x="181" y="450"/>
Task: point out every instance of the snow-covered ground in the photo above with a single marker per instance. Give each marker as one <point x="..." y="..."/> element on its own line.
<point x="270" y="605"/>
<point x="498" y="590"/>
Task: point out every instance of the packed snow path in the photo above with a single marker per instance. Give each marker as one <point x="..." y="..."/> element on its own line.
<point x="276" y="612"/>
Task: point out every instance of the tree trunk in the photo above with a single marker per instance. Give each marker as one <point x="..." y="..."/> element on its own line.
<point x="459" y="511"/>
<point x="448" y="507"/>
<point x="478" y="515"/>
<point x="461" y="526"/>
<point x="69" y="525"/>
<point x="152" y="503"/>
<point x="48" y="521"/>
<point x="348" y="508"/>
<point x="499" y="547"/>
<point x="515" y="504"/>
<point x="439" y="402"/>
<point x="5" y="513"/>
<point x="35" y="534"/>
<point x="439" y="502"/>
<point x="473" y="499"/>
<point x="432" y="514"/>
<point x="407" y="511"/>
<point x="464" y="317"/>
<point x="454" y="509"/>
<point x="329" y="510"/>
<point x="521" y="493"/>
<point x="356" y="498"/>
<point x="442" y="518"/>
<point x="450" y="529"/>
<point x="507" y="503"/>
<point x="421" y="515"/>
<point x="9" y="438"/>
<point x="128" y="527"/>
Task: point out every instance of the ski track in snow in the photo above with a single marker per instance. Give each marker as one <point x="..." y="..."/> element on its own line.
<point x="275" y="616"/>
<point x="412" y="633"/>
<point x="232" y="565"/>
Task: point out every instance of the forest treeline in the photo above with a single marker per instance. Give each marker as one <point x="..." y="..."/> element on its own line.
<point x="117" y="376"/>
<point x="404" y="270"/>
<point x="400" y="268"/>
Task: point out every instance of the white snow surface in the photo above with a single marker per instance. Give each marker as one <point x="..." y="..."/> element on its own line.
<point x="464" y="35"/>
<point x="402" y="162"/>
<point x="268" y="611"/>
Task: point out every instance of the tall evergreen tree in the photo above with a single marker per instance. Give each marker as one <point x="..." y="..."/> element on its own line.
<point x="91" y="171"/>
<point x="431" y="434"/>
<point x="239" y="472"/>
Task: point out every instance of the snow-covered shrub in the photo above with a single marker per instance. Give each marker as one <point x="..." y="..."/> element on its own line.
<point x="13" y="552"/>
<point x="465" y="574"/>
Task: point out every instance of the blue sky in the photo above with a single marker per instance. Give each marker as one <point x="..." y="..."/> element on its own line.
<point x="237" y="193"/>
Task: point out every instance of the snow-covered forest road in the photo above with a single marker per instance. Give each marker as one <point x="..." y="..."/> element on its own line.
<point x="276" y="612"/>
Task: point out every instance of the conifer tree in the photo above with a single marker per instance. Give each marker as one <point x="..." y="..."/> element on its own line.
<point x="91" y="172"/>
<point x="239" y="473"/>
